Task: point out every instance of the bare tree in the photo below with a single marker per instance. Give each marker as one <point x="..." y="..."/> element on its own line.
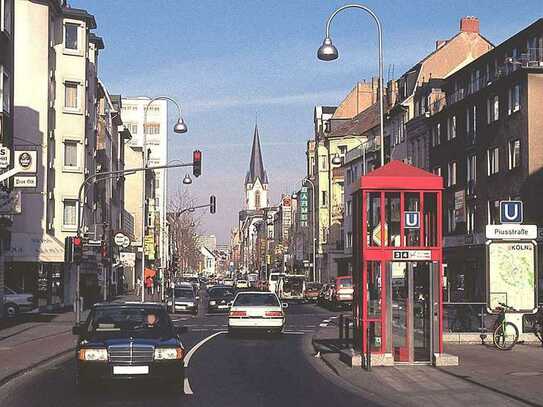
<point x="184" y="231"/>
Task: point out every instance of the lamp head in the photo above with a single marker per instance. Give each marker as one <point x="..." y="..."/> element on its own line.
<point x="187" y="180"/>
<point x="180" y="126"/>
<point x="327" y="51"/>
<point x="337" y="160"/>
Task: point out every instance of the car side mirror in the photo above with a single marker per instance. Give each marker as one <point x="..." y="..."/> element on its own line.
<point x="78" y="329"/>
<point x="181" y="329"/>
<point x="284" y="305"/>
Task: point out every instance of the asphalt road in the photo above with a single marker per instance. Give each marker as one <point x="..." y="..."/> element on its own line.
<point x="224" y="371"/>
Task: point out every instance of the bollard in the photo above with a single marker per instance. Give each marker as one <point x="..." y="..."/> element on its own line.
<point x="341" y="326"/>
<point x="368" y="344"/>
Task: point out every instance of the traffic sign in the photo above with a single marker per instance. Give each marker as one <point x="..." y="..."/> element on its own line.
<point x="511" y="212"/>
<point x="412" y="255"/>
<point x="126" y="242"/>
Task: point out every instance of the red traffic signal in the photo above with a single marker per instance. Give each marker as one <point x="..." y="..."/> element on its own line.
<point x="77" y="244"/>
<point x="196" y="163"/>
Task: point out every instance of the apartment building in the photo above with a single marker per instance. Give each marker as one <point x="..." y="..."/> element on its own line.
<point x="154" y="122"/>
<point x="6" y="122"/>
<point x="492" y="153"/>
<point x="55" y="116"/>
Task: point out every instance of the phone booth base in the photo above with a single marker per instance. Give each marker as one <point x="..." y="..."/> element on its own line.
<point x="397" y="230"/>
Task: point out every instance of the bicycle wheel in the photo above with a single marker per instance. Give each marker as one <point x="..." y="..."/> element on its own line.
<point x="505" y="336"/>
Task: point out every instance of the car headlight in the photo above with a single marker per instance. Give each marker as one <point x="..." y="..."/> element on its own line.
<point x="93" y="354"/>
<point x="212" y="302"/>
<point x="168" y="353"/>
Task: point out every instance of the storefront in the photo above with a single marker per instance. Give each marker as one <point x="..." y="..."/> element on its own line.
<point x="397" y="229"/>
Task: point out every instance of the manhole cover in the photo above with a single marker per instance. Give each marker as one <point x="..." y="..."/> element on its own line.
<point x="524" y="374"/>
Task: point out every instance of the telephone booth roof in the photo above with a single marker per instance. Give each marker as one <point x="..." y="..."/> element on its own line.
<point x="399" y="175"/>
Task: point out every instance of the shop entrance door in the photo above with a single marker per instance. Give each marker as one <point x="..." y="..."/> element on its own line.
<point x="411" y="309"/>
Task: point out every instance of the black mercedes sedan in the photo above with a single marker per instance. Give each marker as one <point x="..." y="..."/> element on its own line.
<point x="220" y="298"/>
<point x="129" y="341"/>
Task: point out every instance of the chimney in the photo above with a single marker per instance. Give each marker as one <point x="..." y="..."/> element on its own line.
<point x="469" y="24"/>
<point x="440" y="43"/>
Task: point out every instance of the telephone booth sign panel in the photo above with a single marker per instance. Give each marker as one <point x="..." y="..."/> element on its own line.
<point x="397" y="242"/>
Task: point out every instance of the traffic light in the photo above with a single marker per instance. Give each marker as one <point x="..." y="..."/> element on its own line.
<point x="68" y="249"/>
<point x="212" y="204"/>
<point x="77" y="243"/>
<point x="196" y="163"/>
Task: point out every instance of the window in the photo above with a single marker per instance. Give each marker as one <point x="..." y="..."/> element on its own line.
<point x="323" y="163"/>
<point x="349" y="176"/>
<point x="152" y="128"/>
<point x="514" y="154"/>
<point x="5" y="89"/>
<point x="69" y="218"/>
<point x="451" y="127"/>
<point x="493" y="156"/>
<point x="349" y="208"/>
<point x="471" y="168"/>
<point x="470" y="219"/>
<point x="437" y="171"/>
<point x="493" y="212"/>
<point x="451" y="220"/>
<point x="474" y="119"/>
<point x="257" y="200"/>
<point x="70" y="154"/>
<point x="324" y="198"/>
<point x="132" y="128"/>
<point x="451" y="174"/>
<point x="436" y="135"/>
<point x="7" y="7"/>
<point x="349" y="240"/>
<point x="342" y="150"/>
<point x="70" y="36"/>
<point x="493" y="109"/>
<point x="514" y="99"/>
<point x="70" y="95"/>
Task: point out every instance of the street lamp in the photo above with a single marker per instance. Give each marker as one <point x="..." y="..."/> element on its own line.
<point x="328" y="52"/>
<point x="314" y="228"/>
<point x="180" y="127"/>
<point x="187" y="180"/>
<point x="336" y="160"/>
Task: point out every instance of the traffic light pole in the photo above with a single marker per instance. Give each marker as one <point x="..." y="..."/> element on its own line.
<point x="99" y="177"/>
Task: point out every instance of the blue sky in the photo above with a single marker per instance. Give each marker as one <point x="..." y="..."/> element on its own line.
<point x="227" y="61"/>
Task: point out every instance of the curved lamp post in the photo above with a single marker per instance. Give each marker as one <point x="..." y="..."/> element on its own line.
<point x="179" y="127"/>
<point x="328" y="52"/>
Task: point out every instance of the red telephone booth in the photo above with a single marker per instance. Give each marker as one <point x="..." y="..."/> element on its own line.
<point x="397" y="241"/>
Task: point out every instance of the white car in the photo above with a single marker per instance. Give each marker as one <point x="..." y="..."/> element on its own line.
<point x="256" y="310"/>
<point x="15" y="302"/>
<point x="242" y="284"/>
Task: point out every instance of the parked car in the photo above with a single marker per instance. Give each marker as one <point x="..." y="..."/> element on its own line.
<point x="16" y="302"/>
<point x="220" y="298"/>
<point x="291" y="287"/>
<point x="129" y="341"/>
<point x="312" y="291"/>
<point x="343" y="292"/>
<point x="229" y="282"/>
<point x="185" y="300"/>
<point x="256" y="310"/>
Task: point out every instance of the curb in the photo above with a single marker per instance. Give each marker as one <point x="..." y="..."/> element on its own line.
<point x="27" y="369"/>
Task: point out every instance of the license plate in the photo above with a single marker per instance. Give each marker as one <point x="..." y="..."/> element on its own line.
<point x="130" y="370"/>
<point x="181" y="306"/>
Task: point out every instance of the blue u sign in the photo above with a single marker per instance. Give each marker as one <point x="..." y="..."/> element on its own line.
<point x="411" y="220"/>
<point x="511" y="212"/>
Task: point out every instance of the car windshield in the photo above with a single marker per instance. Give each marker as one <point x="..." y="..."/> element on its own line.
<point x="185" y="293"/>
<point x="140" y="321"/>
<point x="221" y="292"/>
<point x="345" y="283"/>
<point x="256" y="300"/>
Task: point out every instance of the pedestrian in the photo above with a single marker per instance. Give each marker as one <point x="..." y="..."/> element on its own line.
<point x="138" y="287"/>
<point x="149" y="285"/>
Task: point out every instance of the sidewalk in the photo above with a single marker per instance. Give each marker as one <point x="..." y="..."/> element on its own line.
<point x="35" y="338"/>
<point x="485" y="377"/>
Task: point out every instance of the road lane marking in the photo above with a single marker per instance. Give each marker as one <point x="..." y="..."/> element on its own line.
<point x="293" y="333"/>
<point x="186" y="385"/>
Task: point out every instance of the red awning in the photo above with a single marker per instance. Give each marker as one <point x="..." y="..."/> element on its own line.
<point x="150" y="273"/>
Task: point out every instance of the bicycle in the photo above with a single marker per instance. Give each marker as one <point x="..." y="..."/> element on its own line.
<point x="505" y="335"/>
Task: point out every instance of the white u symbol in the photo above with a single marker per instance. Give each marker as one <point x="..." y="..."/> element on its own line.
<point x="507" y="213"/>
<point x="411" y="219"/>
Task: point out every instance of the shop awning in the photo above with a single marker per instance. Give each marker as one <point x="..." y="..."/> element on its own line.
<point x="150" y="273"/>
<point x="34" y="247"/>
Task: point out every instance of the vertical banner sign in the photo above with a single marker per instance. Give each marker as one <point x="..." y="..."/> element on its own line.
<point x="304" y="206"/>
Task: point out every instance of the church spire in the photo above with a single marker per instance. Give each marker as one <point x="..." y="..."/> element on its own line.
<point x="256" y="167"/>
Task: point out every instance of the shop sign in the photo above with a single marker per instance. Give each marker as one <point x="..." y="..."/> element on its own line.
<point x="119" y="239"/>
<point x="511" y="232"/>
<point x="460" y="206"/>
<point x="512" y="276"/>
<point x="411" y="255"/>
<point x="10" y="203"/>
<point x="5" y="157"/>
<point x="128" y="259"/>
<point x="149" y="246"/>
<point x="25" y="182"/>
<point x="26" y="161"/>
